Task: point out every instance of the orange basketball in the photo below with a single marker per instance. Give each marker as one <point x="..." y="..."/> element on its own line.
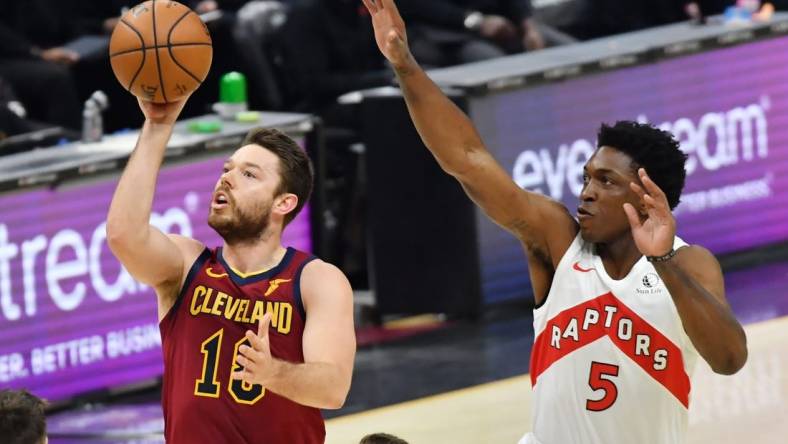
<point x="160" y="51"/>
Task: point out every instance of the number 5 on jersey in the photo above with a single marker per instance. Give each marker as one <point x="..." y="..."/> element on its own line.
<point x="208" y="383"/>
<point x="601" y="378"/>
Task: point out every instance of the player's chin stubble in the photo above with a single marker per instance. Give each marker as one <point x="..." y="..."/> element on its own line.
<point x="240" y="226"/>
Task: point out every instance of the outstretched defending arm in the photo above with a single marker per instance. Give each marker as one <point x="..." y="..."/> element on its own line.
<point x="544" y="226"/>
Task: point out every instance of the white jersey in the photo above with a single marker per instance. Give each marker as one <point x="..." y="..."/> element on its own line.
<point x="611" y="361"/>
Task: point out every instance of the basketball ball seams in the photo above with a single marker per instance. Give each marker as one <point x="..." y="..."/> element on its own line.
<point x="183" y="55"/>
<point x="142" y="63"/>
<point x="156" y="44"/>
<point x="183" y="68"/>
<point x="128" y="51"/>
<point x="170" y="45"/>
<point x="172" y="28"/>
<point x="133" y="29"/>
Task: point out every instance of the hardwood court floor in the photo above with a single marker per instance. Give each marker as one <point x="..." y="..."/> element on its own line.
<point x="751" y="406"/>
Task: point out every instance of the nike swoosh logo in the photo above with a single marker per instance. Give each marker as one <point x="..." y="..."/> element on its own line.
<point x="274" y="284"/>
<point x="210" y="273"/>
<point x="577" y="267"/>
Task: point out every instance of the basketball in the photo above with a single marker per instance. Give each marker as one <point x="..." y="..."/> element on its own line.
<point x="160" y="51"/>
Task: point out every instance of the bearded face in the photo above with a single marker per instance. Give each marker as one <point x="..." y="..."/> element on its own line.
<point x="243" y="208"/>
<point x="238" y="222"/>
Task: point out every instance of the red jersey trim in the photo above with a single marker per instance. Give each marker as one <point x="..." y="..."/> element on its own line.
<point x="606" y="315"/>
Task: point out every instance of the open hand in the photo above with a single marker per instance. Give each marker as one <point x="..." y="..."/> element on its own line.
<point x="654" y="234"/>
<point x="258" y="364"/>
<point x="390" y="32"/>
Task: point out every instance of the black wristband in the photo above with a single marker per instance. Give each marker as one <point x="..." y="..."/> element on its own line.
<point x="663" y="258"/>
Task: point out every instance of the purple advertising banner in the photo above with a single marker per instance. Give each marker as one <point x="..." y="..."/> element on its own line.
<point x="71" y="319"/>
<point x="728" y="108"/>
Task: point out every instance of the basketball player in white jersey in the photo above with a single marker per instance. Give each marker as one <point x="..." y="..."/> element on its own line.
<point x="624" y="306"/>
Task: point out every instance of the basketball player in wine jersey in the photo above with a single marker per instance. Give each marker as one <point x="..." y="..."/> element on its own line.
<point x="256" y="337"/>
<point x="623" y="306"/>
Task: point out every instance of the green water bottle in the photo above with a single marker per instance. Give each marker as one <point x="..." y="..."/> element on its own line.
<point x="232" y="88"/>
<point x="232" y="95"/>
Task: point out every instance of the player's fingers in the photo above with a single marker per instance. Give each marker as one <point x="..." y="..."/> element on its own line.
<point x="637" y="189"/>
<point x="651" y="187"/>
<point x="242" y="360"/>
<point x="262" y="327"/>
<point x="660" y="205"/>
<point x="248" y="353"/>
<point x="254" y="341"/>
<point x="245" y="376"/>
<point x="371" y="6"/>
<point x="632" y="215"/>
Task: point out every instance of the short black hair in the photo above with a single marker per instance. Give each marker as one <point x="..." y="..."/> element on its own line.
<point x="22" y="418"/>
<point x="382" y="438"/>
<point x="653" y="149"/>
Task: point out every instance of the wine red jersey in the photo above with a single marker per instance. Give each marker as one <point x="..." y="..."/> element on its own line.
<point x="201" y="335"/>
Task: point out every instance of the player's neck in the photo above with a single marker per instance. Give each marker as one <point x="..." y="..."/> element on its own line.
<point x="619" y="256"/>
<point x="253" y="257"/>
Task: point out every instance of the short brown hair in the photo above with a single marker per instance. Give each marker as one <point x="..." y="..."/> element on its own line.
<point x="295" y="168"/>
<point x="382" y="438"/>
<point x="22" y="419"/>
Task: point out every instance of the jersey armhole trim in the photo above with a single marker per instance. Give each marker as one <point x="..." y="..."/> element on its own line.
<point x="195" y="268"/>
<point x="297" y="288"/>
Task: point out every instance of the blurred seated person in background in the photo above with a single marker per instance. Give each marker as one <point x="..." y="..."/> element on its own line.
<point x="54" y="54"/>
<point x="34" y="63"/>
<point x="452" y="32"/>
<point x="13" y="115"/>
<point x="243" y="30"/>
<point x="609" y="17"/>
<point x="603" y="18"/>
<point x="327" y="52"/>
<point x="326" y="49"/>
<point x="22" y="419"/>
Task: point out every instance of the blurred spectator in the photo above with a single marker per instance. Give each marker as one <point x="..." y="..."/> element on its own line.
<point x="325" y="49"/>
<point x="711" y="7"/>
<point x="449" y="32"/>
<point x="242" y="32"/>
<point x="618" y="16"/>
<point x="12" y="112"/>
<point x="329" y="49"/>
<point x="32" y="61"/>
<point x="609" y="17"/>
<point x="22" y="419"/>
<point x="55" y="54"/>
<point x="382" y="438"/>
<point x="13" y="115"/>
